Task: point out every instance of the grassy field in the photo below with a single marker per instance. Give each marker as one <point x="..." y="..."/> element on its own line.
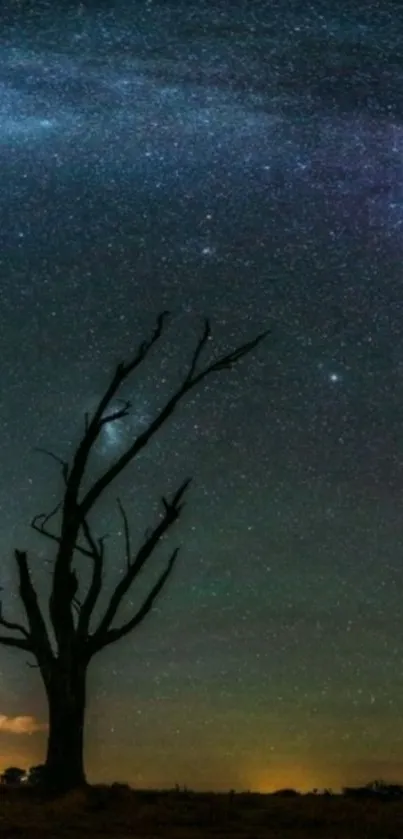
<point x="102" y="812"/>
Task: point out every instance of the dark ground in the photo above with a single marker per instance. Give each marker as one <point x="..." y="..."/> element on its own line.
<point x="122" y="813"/>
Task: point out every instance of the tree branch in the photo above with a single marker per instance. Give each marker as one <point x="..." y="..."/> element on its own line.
<point x="97" y="547"/>
<point x="39" y="642"/>
<point x="76" y="507"/>
<point x="39" y="522"/>
<point x="9" y="641"/>
<point x="63" y="463"/>
<point x="13" y="625"/>
<point x="113" y="635"/>
<point x="171" y="514"/>
<point x="199" y="348"/>
<point x="190" y="381"/>
<point x="73" y="514"/>
<point x="126" y="532"/>
<point x="116" y="415"/>
<point x="45" y="518"/>
<point x="94" y="424"/>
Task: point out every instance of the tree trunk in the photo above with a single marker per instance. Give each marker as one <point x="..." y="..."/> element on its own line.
<point x="64" y="768"/>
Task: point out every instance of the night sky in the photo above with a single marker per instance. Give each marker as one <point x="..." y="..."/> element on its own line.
<point x="242" y="161"/>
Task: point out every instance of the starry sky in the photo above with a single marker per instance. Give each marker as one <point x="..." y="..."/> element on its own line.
<point x="241" y="161"/>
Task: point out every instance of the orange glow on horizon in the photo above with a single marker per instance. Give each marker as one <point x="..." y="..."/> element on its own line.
<point x="286" y="776"/>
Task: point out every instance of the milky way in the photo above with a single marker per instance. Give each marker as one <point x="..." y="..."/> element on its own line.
<point x="243" y="162"/>
<point x="192" y="116"/>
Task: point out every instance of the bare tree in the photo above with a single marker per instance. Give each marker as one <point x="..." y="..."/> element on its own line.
<point x="63" y="661"/>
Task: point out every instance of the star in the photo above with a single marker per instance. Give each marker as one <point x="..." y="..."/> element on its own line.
<point x="243" y="164"/>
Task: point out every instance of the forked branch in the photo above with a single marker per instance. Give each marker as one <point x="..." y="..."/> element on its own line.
<point x="172" y="510"/>
<point x="190" y="381"/>
<point x="94" y="423"/>
<point x="37" y="627"/>
<point x="39" y="523"/>
<point x="110" y="636"/>
<point x="97" y="548"/>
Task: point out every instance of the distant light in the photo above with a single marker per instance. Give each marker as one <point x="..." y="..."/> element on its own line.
<point x="334" y="377"/>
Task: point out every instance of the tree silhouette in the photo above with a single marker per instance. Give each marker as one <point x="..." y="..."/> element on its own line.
<point x="12" y="776"/>
<point x="63" y="660"/>
<point x="36" y="775"/>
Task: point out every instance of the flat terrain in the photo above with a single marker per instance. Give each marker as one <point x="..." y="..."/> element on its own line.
<point x="121" y="813"/>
